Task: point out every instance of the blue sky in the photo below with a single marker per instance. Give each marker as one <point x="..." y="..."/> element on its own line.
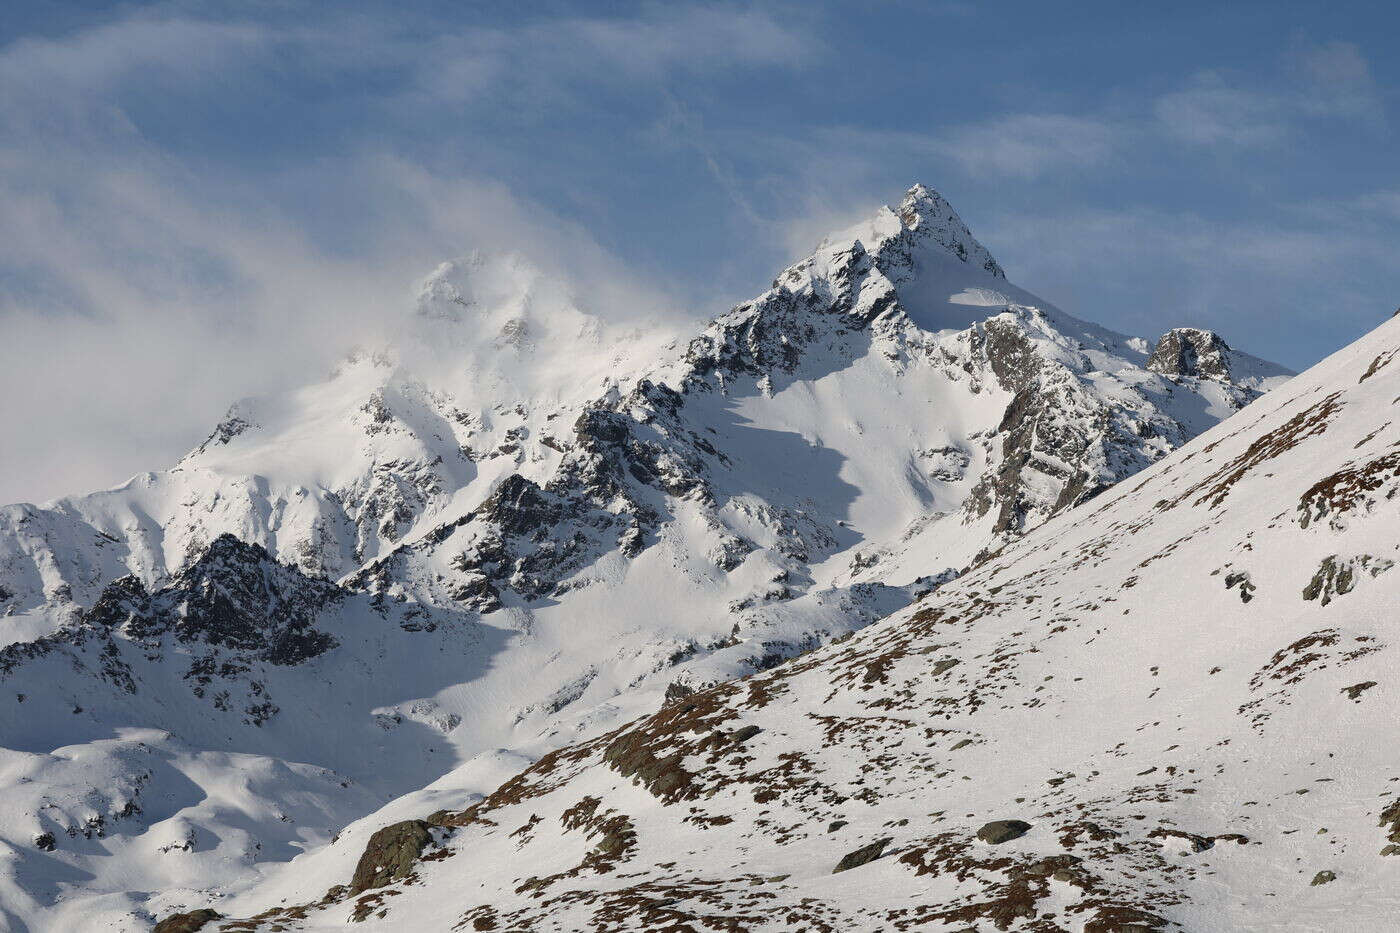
<point x="203" y="200"/>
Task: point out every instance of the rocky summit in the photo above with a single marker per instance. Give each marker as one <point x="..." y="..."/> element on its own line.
<point x="895" y="597"/>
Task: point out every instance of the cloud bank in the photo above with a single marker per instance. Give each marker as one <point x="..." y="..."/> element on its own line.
<point x="148" y="281"/>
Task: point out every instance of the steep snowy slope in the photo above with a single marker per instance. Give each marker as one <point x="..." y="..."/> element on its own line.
<point x="1165" y="710"/>
<point x="521" y="526"/>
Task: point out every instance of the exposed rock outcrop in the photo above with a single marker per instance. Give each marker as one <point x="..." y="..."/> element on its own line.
<point x="189" y="922"/>
<point x="390" y="855"/>
<point x="1187" y="351"/>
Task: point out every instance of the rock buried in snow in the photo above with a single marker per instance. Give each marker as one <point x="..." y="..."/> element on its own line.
<point x="1124" y="920"/>
<point x="1003" y="831"/>
<point x="1355" y="690"/>
<point x="740" y="736"/>
<point x="862" y="855"/>
<point x="1323" y="877"/>
<point x="390" y="855"/>
<point x="188" y="922"/>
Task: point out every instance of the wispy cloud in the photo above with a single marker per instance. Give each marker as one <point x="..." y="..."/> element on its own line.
<point x="1328" y="81"/>
<point x="1210" y="113"/>
<point x="1337" y="82"/>
<point x="1028" y="145"/>
<point x="143" y="286"/>
<point x="561" y="56"/>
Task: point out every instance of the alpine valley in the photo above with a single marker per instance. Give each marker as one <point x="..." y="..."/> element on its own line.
<point x="895" y="598"/>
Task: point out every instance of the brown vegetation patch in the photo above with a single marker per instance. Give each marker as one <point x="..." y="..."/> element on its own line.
<point x="1310" y="422"/>
<point x="616" y="837"/>
<point x="1380" y="362"/>
<point x="1334" y="496"/>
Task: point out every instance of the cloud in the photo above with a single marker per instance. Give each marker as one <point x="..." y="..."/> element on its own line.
<point x="146" y="283"/>
<point x="1210" y="113"/>
<point x="1383" y="204"/>
<point x="217" y="306"/>
<point x="1020" y="145"/>
<point x="553" y="61"/>
<point x="1324" y="81"/>
<point x="1028" y="145"/>
<point x="1338" y="83"/>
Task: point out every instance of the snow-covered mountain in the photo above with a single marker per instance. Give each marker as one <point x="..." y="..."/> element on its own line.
<point x="522" y="525"/>
<point x="1165" y="710"/>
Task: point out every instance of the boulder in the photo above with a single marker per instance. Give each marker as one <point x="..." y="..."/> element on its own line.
<point x="1124" y="919"/>
<point x="1003" y="831"/>
<point x="1355" y="690"/>
<point x="390" y="855"/>
<point x="740" y="736"/>
<point x="187" y="922"/>
<point x="862" y="855"/>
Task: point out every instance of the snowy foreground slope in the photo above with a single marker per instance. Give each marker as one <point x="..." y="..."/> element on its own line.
<point x="518" y="528"/>
<point x="1168" y="709"/>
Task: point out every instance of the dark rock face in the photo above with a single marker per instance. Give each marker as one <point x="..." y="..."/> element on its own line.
<point x="520" y="506"/>
<point x="1049" y="432"/>
<point x="862" y="855"/>
<point x="1390" y="820"/>
<point x="234" y="596"/>
<point x="233" y="610"/>
<point x="188" y="922"/>
<point x="1338" y="576"/>
<point x="677" y="691"/>
<point x="120" y="600"/>
<point x="1242" y="581"/>
<point x="526" y="538"/>
<point x="631" y="756"/>
<point x="232" y="426"/>
<point x="390" y="855"/>
<point x="1186" y="351"/>
<point x="998" y="831"/>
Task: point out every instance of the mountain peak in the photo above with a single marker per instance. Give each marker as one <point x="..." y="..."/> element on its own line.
<point x="928" y="215"/>
<point x="921" y="198"/>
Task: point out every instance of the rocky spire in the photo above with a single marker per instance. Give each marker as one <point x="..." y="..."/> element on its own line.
<point x="926" y="214"/>
<point x="1187" y="351"/>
